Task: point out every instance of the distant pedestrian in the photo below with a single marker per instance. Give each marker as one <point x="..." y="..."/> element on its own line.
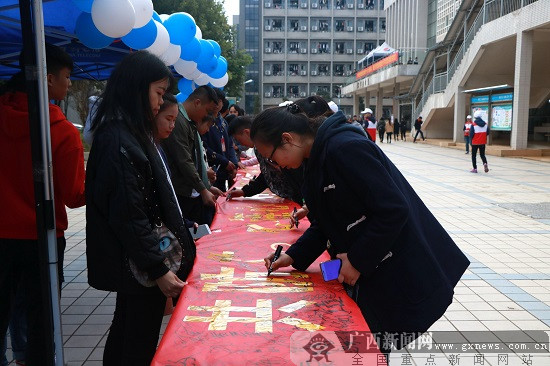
<point x="478" y="135"/>
<point x="403" y="130"/>
<point x="381" y="127"/>
<point x="418" y="128"/>
<point x="396" y="128"/>
<point x="466" y="129"/>
<point x="389" y="131"/>
<point x="369" y="124"/>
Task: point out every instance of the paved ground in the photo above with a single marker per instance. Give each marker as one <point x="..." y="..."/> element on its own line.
<point x="500" y="220"/>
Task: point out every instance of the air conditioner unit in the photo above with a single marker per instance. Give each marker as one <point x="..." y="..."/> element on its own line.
<point x="314" y="28"/>
<point x="314" y="50"/>
<point x="267" y="5"/>
<point x="360" y="29"/>
<point x="267" y="94"/>
<point x="303" y="28"/>
<point x="303" y="73"/>
<point x="303" y="5"/>
<point x="267" y="27"/>
<point x="268" y="72"/>
<point x="350" y="29"/>
<point x="359" y="51"/>
<point x="314" y="5"/>
<point x="313" y="72"/>
<point x="303" y="50"/>
<point x="349" y="51"/>
<point x="303" y="94"/>
<point x="267" y="50"/>
<point x="360" y="6"/>
<point x="350" y="6"/>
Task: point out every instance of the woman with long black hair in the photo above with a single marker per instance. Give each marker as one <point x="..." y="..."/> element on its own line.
<point x="137" y="244"/>
<point x="401" y="277"/>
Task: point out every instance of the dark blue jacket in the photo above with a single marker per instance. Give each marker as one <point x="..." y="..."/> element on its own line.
<point x="212" y="141"/>
<point x="360" y="201"/>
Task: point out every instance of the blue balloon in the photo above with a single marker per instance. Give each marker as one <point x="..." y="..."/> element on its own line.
<point x="208" y="66"/>
<point x="217" y="48"/>
<point x="185" y="86"/>
<point x="181" y="97"/>
<point x="140" y="38"/>
<point x="191" y="51"/>
<point x="181" y="28"/>
<point x="156" y="16"/>
<point x="206" y="55"/>
<point x="88" y="34"/>
<point x="84" y="5"/>
<point x="221" y="68"/>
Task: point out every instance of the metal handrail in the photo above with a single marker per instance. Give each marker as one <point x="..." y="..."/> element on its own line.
<point x="491" y="10"/>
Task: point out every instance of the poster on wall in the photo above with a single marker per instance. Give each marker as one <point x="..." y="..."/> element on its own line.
<point x="484" y="111"/>
<point x="501" y="117"/>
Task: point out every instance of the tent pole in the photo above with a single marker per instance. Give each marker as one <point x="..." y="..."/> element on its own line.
<point x="32" y="28"/>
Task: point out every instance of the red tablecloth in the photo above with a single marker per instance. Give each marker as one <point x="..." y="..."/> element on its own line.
<point x="231" y="313"/>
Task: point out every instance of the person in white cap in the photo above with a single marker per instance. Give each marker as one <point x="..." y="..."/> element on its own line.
<point x="370" y="123"/>
<point x="466" y="129"/>
<point x="333" y="106"/>
<point x="478" y="136"/>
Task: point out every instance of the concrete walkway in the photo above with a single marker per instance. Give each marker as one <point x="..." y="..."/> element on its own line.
<point x="500" y="219"/>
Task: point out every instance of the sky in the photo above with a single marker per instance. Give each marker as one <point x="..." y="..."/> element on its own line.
<point x="231" y="8"/>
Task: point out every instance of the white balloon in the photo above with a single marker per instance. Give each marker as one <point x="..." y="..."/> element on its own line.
<point x="198" y="35"/>
<point x="163" y="17"/>
<point x="143" y="10"/>
<point x="185" y="68"/>
<point x="195" y="74"/>
<point x="115" y="19"/>
<point x="162" y="42"/>
<point x="171" y="55"/>
<point x="221" y="82"/>
<point x="203" y="79"/>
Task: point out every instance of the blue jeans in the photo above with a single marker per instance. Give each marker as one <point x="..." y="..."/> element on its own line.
<point x="467" y="141"/>
<point x="18" y="330"/>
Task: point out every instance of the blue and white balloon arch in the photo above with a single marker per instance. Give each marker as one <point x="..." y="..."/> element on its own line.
<point x="175" y="38"/>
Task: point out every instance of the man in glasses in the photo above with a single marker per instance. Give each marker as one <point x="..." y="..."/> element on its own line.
<point x="185" y="155"/>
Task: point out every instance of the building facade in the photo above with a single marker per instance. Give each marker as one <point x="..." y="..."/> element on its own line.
<point x="307" y="47"/>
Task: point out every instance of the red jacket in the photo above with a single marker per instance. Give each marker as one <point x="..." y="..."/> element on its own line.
<point x="17" y="205"/>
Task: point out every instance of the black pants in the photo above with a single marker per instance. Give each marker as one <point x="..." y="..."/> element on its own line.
<point x="134" y="333"/>
<point x="381" y="135"/>
<point x="20" y="267"/>
<point x="193" y="209"/>
<point x="421" y="134"/>
<point x="481" y="154"/>
<point x="388" y="136"/>
<point x="403" y="135"/>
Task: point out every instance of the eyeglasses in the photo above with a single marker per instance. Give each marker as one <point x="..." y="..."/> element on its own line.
<point x="270" y="160"/>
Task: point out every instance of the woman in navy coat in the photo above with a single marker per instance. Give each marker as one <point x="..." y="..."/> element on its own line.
<point x="402" y="277"/>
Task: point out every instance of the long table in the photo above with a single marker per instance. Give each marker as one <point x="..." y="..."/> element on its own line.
<point x="231" y="313"/>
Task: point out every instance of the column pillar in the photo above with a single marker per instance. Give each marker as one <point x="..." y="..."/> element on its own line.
<point x="355" y="104"/>
<point x="522" y="88"/>
<point x="379" y="105"/>
<point x="367" y="99"/>
<point x="459" y="114"/>
<point x="395" y="104"/>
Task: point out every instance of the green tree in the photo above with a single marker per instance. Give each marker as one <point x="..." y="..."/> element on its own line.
<point x="210" y="17"/>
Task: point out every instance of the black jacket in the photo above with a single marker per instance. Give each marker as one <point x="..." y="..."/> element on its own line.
<point x="356" y="197"/>
<point x="126" y="194"/>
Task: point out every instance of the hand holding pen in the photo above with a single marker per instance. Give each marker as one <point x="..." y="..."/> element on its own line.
<point x="294" y="218"/>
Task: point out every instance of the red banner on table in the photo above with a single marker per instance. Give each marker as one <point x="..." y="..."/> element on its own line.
<point x="231" y="313"/>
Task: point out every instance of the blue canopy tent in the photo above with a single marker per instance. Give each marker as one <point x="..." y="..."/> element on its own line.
<point x="59" y="29"/>
<point x="27" y="24"/>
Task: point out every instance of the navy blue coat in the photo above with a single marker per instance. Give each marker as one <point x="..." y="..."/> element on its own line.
<point x="362" y="204"/>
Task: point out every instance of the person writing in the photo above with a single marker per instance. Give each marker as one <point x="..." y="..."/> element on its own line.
<point x="130" y="199"/>
<point x="401" y="276"/>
